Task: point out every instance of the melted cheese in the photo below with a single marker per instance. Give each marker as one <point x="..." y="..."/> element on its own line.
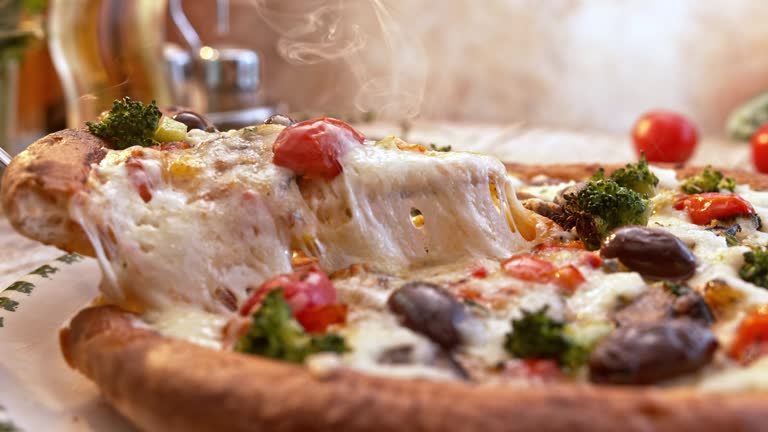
<point x="192" y="325"/>
<point x="201" y="227"/>
<point x="365" y="214"/>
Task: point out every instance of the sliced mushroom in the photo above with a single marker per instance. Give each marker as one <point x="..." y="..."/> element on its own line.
<point x="658" y="304"/>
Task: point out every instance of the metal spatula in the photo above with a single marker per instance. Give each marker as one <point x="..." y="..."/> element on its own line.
<point x="5" y="158"/>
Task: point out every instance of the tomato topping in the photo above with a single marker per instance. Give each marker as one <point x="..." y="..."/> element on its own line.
<point x="751" y="339"/>
<point x="571" y="245"/>
<point x="760" y="149"/>
<point x="317" y="319"/>
<point x="591" y="259"/>
<point x="569" y="278"/>
<point x="534" y="368"/>
<point x="705" y="207"/>
<point x="313" y="147"/>
<point x="479" y="272"/>
<point x="469" y="294"/>
<point x="529" y="268"/>
<point x="139" y="178"/>
<point x="307" y="292"/>
<point x="665" y="136"/>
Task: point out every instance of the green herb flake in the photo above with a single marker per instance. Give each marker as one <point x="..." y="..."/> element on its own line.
<point x="755" y="267"/>
<point x="437" y="148"/>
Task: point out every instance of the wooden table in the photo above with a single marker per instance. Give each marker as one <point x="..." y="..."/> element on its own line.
<point x="517" y="143"/>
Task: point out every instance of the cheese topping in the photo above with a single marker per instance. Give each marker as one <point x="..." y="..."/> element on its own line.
<point x="204" y="226"/>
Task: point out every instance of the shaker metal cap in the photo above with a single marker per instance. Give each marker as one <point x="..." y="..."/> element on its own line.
<point x="227" y="68"/>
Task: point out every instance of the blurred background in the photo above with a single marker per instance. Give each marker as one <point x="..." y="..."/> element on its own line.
<point x="573" y="65"/>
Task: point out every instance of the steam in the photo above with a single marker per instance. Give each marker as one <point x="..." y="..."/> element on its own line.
<point x="390" y="67"/>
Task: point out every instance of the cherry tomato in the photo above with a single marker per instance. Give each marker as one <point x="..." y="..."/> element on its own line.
<point x="533" y="368"/>
<point x="665" y="136"/>
<point x="569" y="278"/>
<point x="529" y="268"/>
<point x="760" y="149"/>
<point x="307" y="292"/>
<point x="704" y="208"/>
<point x="317" y="319"/>
<point x="751" y="339"/>
<point x="313" y="147"/>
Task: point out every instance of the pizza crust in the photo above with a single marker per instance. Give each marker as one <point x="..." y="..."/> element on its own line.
<point x="39" y="183"/>
<point x="172" y="385"/>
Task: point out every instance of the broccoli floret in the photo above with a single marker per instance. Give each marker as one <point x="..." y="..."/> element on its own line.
<point x="755" y="267"/>
<point x="708" y="181"/>
<point x="275" y="333"/>
<point x="536" y="335"/>
<point x="128" y="123"/>
<point x="601" y="206"/>
<point x="637" y="177"/>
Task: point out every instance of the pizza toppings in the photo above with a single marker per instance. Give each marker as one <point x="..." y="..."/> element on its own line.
<point x="275" y="333"/>
<point x="533" y="269"/>
<point x="706" y="207"/>
<point x="637" y="176"/>
<point x="755" y="267"/>
<point x="660" y="303"/>
<point x="314" y="147"/>
<point x="428" y="309"/>
<point x="654" y="253"/>
<point x="130" y="123"/>
<point x="537" y="336"/>
<point x="601" y="206"/>
<point x="192" y="120"/>
<point x="710" y="180"/>
<point x="310" y="294"/>
<point x="652" y="352"/>
<point x="751" y="337"/>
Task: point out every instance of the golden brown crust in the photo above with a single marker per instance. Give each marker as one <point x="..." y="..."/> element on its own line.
<point x="171" y="385"/>
<point x="39" y="183"/>
<point x="583" y="171"/>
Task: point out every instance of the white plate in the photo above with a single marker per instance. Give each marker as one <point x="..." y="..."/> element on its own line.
<point x="38" y="391"/>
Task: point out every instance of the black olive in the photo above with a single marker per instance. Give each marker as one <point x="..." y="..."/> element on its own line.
<point x="428" y="309"/>
<point x="648" y="353"/>
<point x="192" y="120"/>
<point x="653" y="253"/>
<point x="280" y="119"/>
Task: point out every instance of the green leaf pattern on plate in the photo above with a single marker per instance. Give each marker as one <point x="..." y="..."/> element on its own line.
<point x="45" y="271"/>
<point x="21" y="286"/>
<point x="6" y="425"/>
<point x="9" y="304"/>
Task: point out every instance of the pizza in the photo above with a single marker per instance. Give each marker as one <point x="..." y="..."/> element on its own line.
<point x="299" y="276"/>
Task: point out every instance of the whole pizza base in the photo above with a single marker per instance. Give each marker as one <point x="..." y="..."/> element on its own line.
<point x="172" y="385"/>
